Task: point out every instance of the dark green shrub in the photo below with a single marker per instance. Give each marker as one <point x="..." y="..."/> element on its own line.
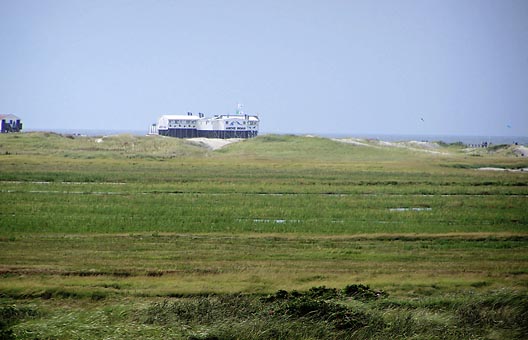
<point x="340" y="316"/>
<point x="362" y="292"/>
<point x="322" y="292"/>
<point x="10" y="315"/>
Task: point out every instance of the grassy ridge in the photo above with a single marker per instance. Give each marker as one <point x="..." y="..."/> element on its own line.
<point x="108" y="147"/>
<point x="125" y="236"/>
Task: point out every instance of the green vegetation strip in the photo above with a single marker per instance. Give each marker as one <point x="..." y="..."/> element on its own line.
<point x="354" y="312"/>
<point x="171" y="264"/>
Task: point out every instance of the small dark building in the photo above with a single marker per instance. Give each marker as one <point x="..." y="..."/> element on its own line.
<point x="10" y="123"/>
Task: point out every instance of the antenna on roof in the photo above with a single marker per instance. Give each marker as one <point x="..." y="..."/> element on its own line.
<point x="239" y="109"/>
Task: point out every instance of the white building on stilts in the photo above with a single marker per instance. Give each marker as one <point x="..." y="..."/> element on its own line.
<point x="238" y="125"/>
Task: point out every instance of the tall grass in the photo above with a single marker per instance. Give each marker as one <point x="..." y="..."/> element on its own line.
<point x="124" y="236"/>
<point x="293" y="316"/>
<point x="49" y="209"/>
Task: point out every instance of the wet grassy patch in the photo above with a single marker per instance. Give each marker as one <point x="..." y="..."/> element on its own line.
<point x="139" y="237"/>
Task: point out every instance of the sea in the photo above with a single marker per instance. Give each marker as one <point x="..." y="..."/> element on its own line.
<point x="465" y="139"/>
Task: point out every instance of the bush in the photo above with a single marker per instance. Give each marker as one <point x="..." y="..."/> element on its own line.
<point x="318" y="304"/>
<point x="342" y="317"/>
<point x="355" y="291"/>
<point x="10" y="315"/>
<point x="362" y="292"/>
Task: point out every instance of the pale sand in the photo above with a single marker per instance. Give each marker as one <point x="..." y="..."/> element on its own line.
<point x="503" y="169"/>
<point x="214" y="143"/>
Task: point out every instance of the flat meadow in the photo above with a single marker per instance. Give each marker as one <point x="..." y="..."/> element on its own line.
<point x="277" y="237"/>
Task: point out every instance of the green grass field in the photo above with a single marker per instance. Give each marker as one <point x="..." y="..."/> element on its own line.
<point x="150" y="237"/>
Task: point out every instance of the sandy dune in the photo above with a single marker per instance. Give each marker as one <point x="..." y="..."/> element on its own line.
<point x="214" y="143"/>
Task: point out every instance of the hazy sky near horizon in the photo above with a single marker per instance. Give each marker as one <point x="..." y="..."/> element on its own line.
<point x="341" y="67"/>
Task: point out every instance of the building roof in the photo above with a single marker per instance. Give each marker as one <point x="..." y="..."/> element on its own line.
<point x="8" y="116"/>
<point x="241" y="117"/>
<point x="217" y="117"/>
<point x="181" y="117"/>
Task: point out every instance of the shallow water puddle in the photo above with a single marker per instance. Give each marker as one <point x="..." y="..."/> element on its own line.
<point x="410" y="209"/>
<point x="275" y="221"/>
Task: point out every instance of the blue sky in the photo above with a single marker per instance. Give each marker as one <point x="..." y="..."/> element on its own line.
<point x="341" y="67"/>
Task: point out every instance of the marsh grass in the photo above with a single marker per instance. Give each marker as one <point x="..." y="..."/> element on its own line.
<point x="282" y="315"/>
<point x="151" y="237"/>
<point x="100" y="147"/>
<point x="61" y="208"/>
<point x="171" y="264"/>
